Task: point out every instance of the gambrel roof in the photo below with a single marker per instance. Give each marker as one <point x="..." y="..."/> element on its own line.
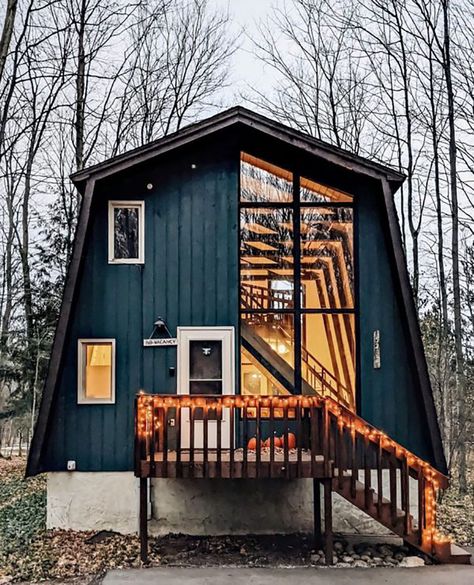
<point x="238" y="118"/>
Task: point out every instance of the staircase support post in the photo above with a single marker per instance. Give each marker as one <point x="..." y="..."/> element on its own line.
<point x="328" y="535"/>
<point x="318" y="540"/>
<point x="143" y="520"/>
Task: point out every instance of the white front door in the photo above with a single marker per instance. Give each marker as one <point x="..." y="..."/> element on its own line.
<point x="206" y="366"/>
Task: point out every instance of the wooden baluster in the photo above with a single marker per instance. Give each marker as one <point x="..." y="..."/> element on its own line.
<point x="393" y="487"/>
<point x="231" y="438"/>
<point x="205" y="445"/>
<point x="286" y="446"/>
<point x="138" y="442"/>
<point x="379" y="476"/>
<point x="272" y="438"/>
<point x="191" y="440"/>
<point x="299" y="438"/>
<point x="406" y="495"/>
<point x="368" y="500"/>
<point x="354" y="466"/>
<point x="165" y="441"/>
<point x="258" y="452"/>
<point x="245" y="438"/>
<point x="314" y="438"/>
<point x="152" y="441"/>
<point x="326" y="438"/>
<point x="342" y="454"/>
<point x="179" y="469"/>
<point x="219" y="439"/>
<point x="421" y="506"/>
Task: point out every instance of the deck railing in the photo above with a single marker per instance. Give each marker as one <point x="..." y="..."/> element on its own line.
<point x="237" y="437"/>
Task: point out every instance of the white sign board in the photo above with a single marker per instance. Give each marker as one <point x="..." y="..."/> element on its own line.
<point x="160" y="342"/>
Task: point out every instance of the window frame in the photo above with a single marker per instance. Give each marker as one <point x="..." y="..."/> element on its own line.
<point x="140" y="205"/>
<point x="297" y="205"/>
<point x="81" y="397"/>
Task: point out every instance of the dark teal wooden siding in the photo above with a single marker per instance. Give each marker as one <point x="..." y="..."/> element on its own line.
<point x="189" y="278"/>
<point x="389" y="396"/>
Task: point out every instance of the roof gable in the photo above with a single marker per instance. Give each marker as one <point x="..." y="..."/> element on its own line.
<point x="235" y="117"/>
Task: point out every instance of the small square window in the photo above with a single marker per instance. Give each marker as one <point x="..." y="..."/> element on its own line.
<point x="126" y="232"/>
<point x="96" y="371"/>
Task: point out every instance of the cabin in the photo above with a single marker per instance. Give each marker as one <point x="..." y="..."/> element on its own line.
<point x="238" y="349"/>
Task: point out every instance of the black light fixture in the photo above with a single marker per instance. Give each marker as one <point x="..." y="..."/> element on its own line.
<point x="160" y="329"/>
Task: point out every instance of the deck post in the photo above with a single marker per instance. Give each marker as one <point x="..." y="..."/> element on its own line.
<point x="328" y="536"/>
<point x="143" y="519"/>
<point x="317" y="514"/>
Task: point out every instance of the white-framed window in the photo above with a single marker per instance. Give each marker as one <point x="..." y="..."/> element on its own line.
<point x="126" y="232"/>
<point x="96" y="371"/>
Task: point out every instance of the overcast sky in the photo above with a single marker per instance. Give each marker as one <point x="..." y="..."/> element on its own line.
<point x="246" y="70"/>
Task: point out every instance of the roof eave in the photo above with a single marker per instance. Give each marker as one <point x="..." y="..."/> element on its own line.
<point x="250" y="119"/>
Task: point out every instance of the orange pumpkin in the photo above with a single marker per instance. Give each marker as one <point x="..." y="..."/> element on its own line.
<point x="291" y="441"/>
<point x="290" y="437"/>
<point x="252" y="444"/>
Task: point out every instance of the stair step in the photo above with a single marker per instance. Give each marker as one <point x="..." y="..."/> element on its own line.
<point x="458" y="556"/>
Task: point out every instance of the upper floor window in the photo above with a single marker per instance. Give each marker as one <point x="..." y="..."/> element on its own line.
<point x="126" y="232"/>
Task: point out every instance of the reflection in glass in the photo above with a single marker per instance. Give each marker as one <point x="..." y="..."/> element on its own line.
<point x="328" y="355"/>
<point x="327" y="257"/>
<point x="266" y="261"/>
<point x="126" y="226"/>
<point x="263" y="182"/>
<point x="312" y="192"/>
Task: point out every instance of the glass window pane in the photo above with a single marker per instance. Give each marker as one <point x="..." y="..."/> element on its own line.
<point x="126" y="232"/>
<point x="312" y="192"/>
<point x="328" y="355"/>
<point x="97" y="370"/>
<point x="327" y="276"/>
<point x="267" y="342"/>
<point x="263" y="182"/>
<point x="205" y="360"/>
<point x="205" y="387"/>
<point x="266" y="258"/>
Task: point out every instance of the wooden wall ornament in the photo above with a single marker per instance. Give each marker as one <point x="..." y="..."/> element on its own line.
<point x="376" y="349"/>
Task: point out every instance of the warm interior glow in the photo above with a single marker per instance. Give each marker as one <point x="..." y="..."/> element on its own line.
<point x="268" y="270"/>
<point x="97" y="372"/>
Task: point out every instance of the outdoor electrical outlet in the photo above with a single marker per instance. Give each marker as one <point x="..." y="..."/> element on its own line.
<point x="71" y="465"/>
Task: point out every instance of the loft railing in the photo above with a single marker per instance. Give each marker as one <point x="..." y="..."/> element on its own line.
<point x="208" y="436"/>
<point x="314" y="372"/>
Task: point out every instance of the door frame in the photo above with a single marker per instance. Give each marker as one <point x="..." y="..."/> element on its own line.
<point x="225" y="334"/>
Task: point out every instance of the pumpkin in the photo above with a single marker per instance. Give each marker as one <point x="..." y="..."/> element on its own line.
<point x="291" y="441"/>
<point x="252" y="444"/>
<point x="290" y="437"/>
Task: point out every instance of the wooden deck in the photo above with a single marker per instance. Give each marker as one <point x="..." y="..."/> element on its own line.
<point x="236" y="437"/>
<point x="225" y="464"/>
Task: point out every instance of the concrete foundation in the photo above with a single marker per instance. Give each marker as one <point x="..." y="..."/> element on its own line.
<point x="92" y="501"/>
<point x="109" y="501"/>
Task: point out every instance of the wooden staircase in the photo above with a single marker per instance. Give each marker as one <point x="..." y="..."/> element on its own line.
<point x="388" y="483"/>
